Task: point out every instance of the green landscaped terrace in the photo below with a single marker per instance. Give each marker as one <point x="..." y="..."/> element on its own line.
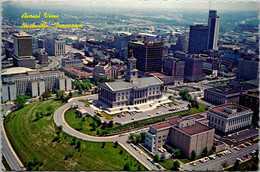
<point x="39" y="139"/>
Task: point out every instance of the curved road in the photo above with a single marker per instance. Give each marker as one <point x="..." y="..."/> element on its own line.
<point x="60" y="121"/>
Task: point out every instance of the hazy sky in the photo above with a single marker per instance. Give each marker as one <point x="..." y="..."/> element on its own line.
<point x="224" y="5"/>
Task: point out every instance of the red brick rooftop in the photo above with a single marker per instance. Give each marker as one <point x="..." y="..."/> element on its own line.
<point x="229" y="106"/>
<point x="162" y="125"/>
<point x="174" y="120"/>
<point x="194" y="129"/>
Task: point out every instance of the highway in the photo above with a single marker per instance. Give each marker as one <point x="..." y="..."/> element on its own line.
<point x="9" y="154"/>
<point x="60" y="121"/>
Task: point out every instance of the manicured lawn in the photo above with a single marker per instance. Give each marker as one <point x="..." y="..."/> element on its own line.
<point x="167" y="164"/>
<point x="78" y="95"/>
<point x="202" y="108"/>
<point x="184" y="160"/>
<point x="85" y="102"/>
<point x="32" y="138"/>
<point x="75" y="122"/>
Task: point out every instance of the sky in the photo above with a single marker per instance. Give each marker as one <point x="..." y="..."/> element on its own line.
<point x="221" y="5"/>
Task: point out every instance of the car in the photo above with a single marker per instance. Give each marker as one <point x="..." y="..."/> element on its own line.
<point x="140" y="152"/>
<point x="219" y="155"/>
<point x="153" y="162"/>
<point x="133" y="119"/>
<point x="201" y="160"/>
<point x="240" y="160"/>
<point x="171" y="110"/>
<point x="193" y="163"/>
<point x="132" y="145"/>
<point x="244" y="145"/>
<point x="212" y="157"/>
<point x="158" y="166"/>
<point x="149" y="114"/>
<point x="206" y="159"/>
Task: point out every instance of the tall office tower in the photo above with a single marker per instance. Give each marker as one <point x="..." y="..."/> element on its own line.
<point x="55" y="47"/>
<point x="121" y="43"/>
<point x="247" y="69"/>
<point x="182" y="43"/>
<point x="198" y="39"/>
<point x="22" y="56"/>
<point x="213" y="23"/>
<point x="148" y="55"/>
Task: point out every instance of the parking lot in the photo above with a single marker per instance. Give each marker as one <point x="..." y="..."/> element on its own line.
<point x="128" y="117"/>
<point x="241" y="153"/>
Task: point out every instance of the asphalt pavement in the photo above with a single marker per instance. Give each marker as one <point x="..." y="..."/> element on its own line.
<point x="217" y="163"/>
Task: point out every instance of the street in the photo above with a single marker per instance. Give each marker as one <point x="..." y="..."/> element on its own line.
<point x="217" y="163"/>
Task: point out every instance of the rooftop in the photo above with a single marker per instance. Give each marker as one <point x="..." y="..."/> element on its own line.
<point x="195" y="129"/>
<point x="15" y="70"/>
<point x="141" y="82"/>
<point x="162" y="125"/>
<point x="222" y="108"/>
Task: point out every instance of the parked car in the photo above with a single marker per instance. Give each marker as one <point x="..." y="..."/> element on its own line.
<point x="212" y="157"/>
<point x="193" y="163"/>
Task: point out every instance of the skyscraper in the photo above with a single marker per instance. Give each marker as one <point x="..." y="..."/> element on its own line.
<point x="148" y="55"/>
<point x="213" y="23"/>
<point x="198" y="39"/>
<point x="22" y="56"/>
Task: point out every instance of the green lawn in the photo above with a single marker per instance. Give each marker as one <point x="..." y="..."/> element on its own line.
<point x="202" y="108"/>
<point x="32" y="138"/>
<point x="73" y="121"/>
<point x="85" y="102"/>
<point x="184" y="160"/>
<point x="78" y="95"/>
<point x="167" y="164"/>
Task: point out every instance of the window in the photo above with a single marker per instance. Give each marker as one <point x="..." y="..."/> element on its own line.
<point x="159" y="141"/>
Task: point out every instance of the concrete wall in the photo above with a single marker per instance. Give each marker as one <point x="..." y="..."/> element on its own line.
<point x="8" y="92"/>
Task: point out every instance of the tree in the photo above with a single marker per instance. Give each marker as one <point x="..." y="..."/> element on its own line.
<point x="97" y="119"/>
<point x="104" y="125"/>
<point x="103" y="144"/>
<point x="193" y="154"/>
<point x="20" y="101"/>
<point x="196" y="105"/>
<point x="46" y="94"/>
<point x="110" y="124"/>
<point x="224" y="164"/>
<point x="177" y="152"/>
<point x="156" y="158"/>
<point x="176" y="165"/>
<point x="70" y="94"/>
<point x="36" y="160"/>
<point x="38" y="115"/>
<point x="78" y="144"/>
<point x="115" y="144"/>
<point x="128" y="166"/>
<point x="60" y="94"/>
<point x="205" y="151"/>
<point x="93" y="125"/>
<point x="189" y="106"/>
<point x="236" y="165"/>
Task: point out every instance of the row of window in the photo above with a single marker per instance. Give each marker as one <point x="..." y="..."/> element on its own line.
<point x="237" y="121"/>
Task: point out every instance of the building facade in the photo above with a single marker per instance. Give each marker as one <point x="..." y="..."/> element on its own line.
<point x="229" y="118"/>
<point x="148" y="54"/>
<point x="174" y="67"/>
<point x="133" y="91"/>
<point x="247" y="69"/>
<point x="34" y="82"/>
<point x="42" y="56"/>
<point x="198" y="39"/>
<point x="71" y="62"/>
<point x="193" y="69"/>
<point x="250" y="99"/>
<point x="22" y="56"/>
<point x="213" y="23"/>
<point x="55" y="47"/>
<point x="121" y="43"/>
<point x="186" y="133"/>
<point x="226" y="94"/>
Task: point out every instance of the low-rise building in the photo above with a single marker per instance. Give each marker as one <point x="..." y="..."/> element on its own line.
<point x="226" y="94"/>
<point x="229" y="118"/>
<point x="186" y="133"/>
<point x="71" y="62"/>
